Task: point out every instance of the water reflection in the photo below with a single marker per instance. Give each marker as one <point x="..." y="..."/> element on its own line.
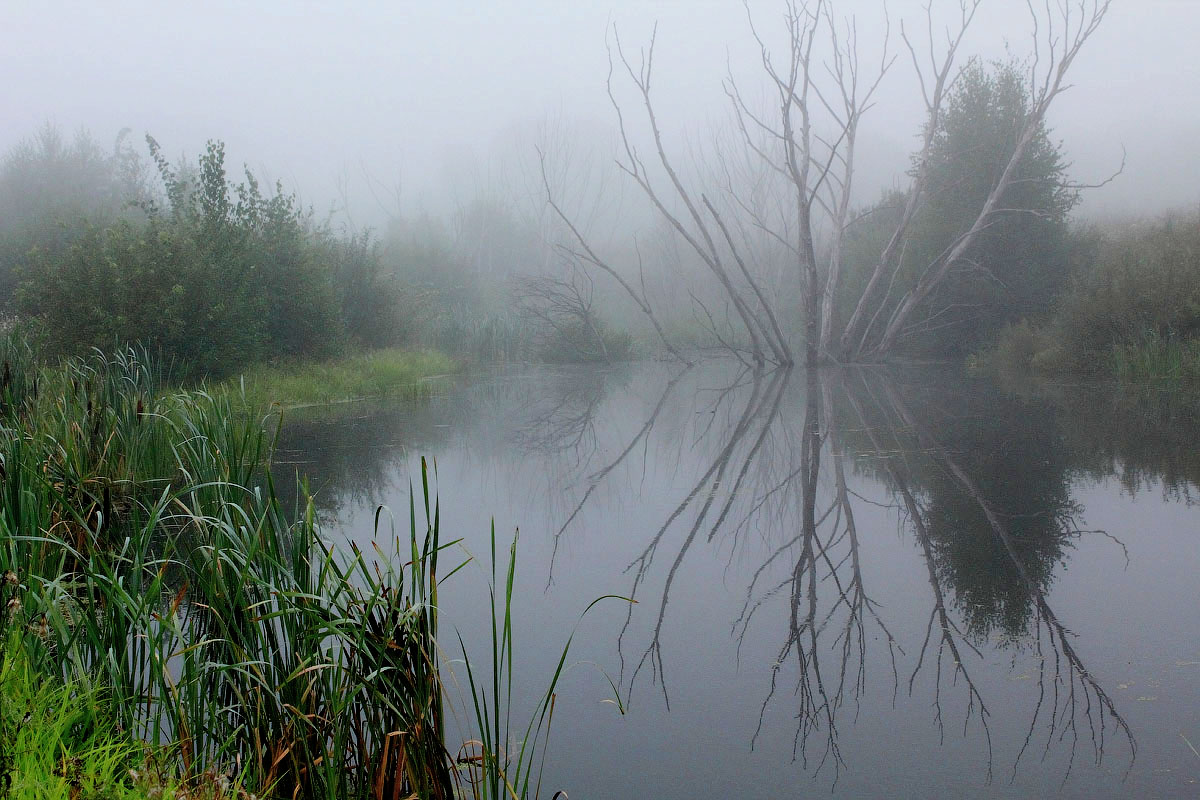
<point x="791" y="478"/>
<point x="986" y="499"/>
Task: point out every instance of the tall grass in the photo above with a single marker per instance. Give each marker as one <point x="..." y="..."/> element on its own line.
<point x="480" y="333"/>
<point x="61" y="741"/>
<point x="379" y="373"/>
<point x="1154" y="357"/>
<point x="155" y="563"/>
<point x="501" y="764"/>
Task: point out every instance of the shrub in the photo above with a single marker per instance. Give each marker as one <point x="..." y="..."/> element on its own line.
<point x="219" y="274"/>
<point x="1142" y="286"/>
<point x="48" y="183"/>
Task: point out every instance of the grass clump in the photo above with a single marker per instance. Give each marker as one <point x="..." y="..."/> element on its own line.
<point x="63" y="741"/>
<point x="149" y="564"/>
<point x="1154" y="358"/>
<point x="379" y="373"/>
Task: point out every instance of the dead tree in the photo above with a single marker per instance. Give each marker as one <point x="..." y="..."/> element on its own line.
<point x="934" y="87"/>
<point x="583" y="252"/>
<point x="1058" y="38"/>
<point x="700" y="224"/>
<point x="820" y="167"/>
<point x="560" y="311"/>
<point x="808" y="141"/>
<point x="817" y="166"/>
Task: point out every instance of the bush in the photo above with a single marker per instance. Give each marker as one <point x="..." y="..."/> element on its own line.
<point x="1132" y="309"/>
<point x="370" y="295"/>
<point x="218" y="274"/>
<point x="1142" y="286"/>
<point x="49" y="183"/>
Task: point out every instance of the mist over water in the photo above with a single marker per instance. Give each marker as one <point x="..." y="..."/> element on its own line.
<point x="858" y="582"/>
<point x="851" y="352"/>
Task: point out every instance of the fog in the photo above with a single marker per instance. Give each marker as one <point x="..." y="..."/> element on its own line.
<point x="878" y="316"/>
<point x="427" y="98"/>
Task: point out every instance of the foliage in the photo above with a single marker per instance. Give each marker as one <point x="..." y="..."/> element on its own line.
<point x="216" y="273"/>
<point x="1020" y="263"/>
<point x="452" y="303"/>
<point x="49" y="183"/>
<point x="152" y="567"/>
<point x="374" y="303"/>
<point x="578" y="343"/>
<point x="1131" y="309"/>
<point x="153" y="562"/>
<point x="379" y="373"/>
<point x="1142" y="290"/>
<point x="63" y="741"/>
<point x="221" y="275"/>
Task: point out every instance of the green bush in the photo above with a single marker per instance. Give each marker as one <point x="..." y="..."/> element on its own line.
<point x="218" y="274"/>
<point x="1131" y="309"/>
<point x="1143" y="285"/>
<point x="48" y="183"/>
<point x="372" y="297"/>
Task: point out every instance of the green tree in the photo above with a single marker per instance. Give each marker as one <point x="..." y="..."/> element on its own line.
<point x="1019" y="263"/>
<point x="49" y="185"/>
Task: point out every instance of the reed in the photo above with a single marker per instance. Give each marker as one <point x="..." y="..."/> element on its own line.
<point x="506" y="762"/>
<point x="154" y="563"/>
<point x="1153" y="357"/>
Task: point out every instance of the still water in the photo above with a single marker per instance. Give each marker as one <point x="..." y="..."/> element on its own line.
<point x="848" y="583"/>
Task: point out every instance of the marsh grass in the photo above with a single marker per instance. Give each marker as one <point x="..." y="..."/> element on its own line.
<point x="153" y="563"/>
<point x="379" y="373"/>
<point x="62" y="741"/>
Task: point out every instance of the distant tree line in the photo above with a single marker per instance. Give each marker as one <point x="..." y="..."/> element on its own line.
<point x="100" y="247"/>
<point x="212" y="272"/>
<point x="103" y="246"/>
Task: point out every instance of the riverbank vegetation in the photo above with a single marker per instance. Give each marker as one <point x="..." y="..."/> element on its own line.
<point x="149" y="564"/>
<point x="227" y="280"/>
<point x="221" y="274"/>
<point x="1130" y="309"/>
<point x="61" y="741"/>
<point x="390" y="372"/>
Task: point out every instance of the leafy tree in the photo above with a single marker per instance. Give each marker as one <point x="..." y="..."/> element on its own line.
<point x="217" y="275"/>
<point x="1020" y="262"/>
<point x="371" y="293"/>
<point x="49" y="184"/>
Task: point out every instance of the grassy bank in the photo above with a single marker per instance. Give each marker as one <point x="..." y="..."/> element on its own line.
<point x="154" y="567"/>
<point x="62" y="741"/>
<point x="379" y="373"/>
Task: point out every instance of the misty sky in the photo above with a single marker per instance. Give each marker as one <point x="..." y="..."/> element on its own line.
<point x="427" y="94"/>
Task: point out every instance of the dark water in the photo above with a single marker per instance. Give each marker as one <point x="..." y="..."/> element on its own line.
<point x="848" y="583"/>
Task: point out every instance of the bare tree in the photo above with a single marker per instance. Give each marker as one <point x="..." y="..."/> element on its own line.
<point x="1059" y="34"/>
<point x="560" y="310"/>
<point x="821" y="89"/>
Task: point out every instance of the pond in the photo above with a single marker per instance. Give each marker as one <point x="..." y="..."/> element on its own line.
<point x="848" y="582"/>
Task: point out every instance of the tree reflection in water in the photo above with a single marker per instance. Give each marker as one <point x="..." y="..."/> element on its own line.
<point x="790" y="468"/>
<point x="981" y="485"/>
